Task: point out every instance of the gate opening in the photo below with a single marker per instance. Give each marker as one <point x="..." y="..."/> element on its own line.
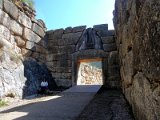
<point x="90" y="72"/>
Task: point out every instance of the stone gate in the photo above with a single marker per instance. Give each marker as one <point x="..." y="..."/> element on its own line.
<point x="74" y="48"/>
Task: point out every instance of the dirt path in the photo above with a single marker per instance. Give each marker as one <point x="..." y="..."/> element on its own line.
<point x="107" y="105"/>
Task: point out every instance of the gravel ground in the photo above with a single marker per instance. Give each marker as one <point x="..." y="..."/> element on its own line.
<point x="107" y="105"/>
<point x="16" y="102"/>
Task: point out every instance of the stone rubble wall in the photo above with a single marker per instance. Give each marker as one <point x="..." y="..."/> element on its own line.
<point x="61" y="44"/>
<point x="20" y="37"/>
<point x="137" y="26"/>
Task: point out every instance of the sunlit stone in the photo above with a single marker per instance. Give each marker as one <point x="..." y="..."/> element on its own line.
<point x="90" y="73"/>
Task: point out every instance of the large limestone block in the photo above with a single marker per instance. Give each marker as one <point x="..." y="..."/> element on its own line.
<point x="108" y="39"/>
<point x="70" y="38"/>
<point x="111" y="32"/>
<point x="62" y="69"/>
<point x="4" y="19"/>
<point x="51" y="57"/>
<point x="16" y="28"/>
<point x="30" y="45"/>
<point x="4" y="32"/>
<point x="127" y="69"/>
<point x="31" y="36"/>
<point x="62" y="75"/>
<point x="79" y="28"/>
<point x="101" y="29"/>
<point x="142" y="101"/>
<point x="66" y="49"/>
<point x="38" y="30"/>
<point x="26" y="52"/>
<point x="50" y="35"/>
<point x="68" y="30"/>
<point x="156" y="101"/>
<point x="24" y="20"/>
<point x="20" y="42"/>
<point x="110" y="47"/>
<point x="65" y="63"/>
<point x="53" y="50"/>
<point x="58" y="34"/>
<point x="12" y="40"/>
<point x="11" y="9"/>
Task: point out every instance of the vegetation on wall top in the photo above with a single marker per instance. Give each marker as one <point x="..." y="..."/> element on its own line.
<point x="29" y="2"/>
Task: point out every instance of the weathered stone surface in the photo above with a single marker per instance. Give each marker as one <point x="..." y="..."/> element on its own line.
<point x="112" y="84"/>
<point x="42" y="58"/>
<point x="58" y="34"/>
<point x="12" y="78"/>
<point x="17" y="50"/>
<point x="142" y="98"/>
<point x="31" y="36"/>
<point x="1" y="4"/>
<point x="35" y="55"/>
<point x="113" y="58"/>
<point x="52" y="50"/>
<point x="137" y="29"/>
<point x="51" y="57"/>
<point x="37" y="29"/>
<point x="68" y="30"/>
<point x="62" y="75"/>
<point x="41" y="23"/>
<point x="40" y="49"/>
<point x="4" y="32"/>
<point x="79" y="29"/>
<point x="63" y="82"/>
<point x="71" y="38"/>
<point x="108" y="39"/>
<point x="34" y="73"/>
<point x="49" y="35"/>
<point x="11" y="9"/>
<point x="12" y="40"/>
<point x="16" y="28"/>
<point x="127" y="69"/>
<point x="4" y="19"/>
<point x="89" y="40"/>
<point x="29" y="45"/>
<point x="24" y="20"/>
<point x="101" y="29"/>
<point x="43" y="42"/>
<point x="20" y="42"/>
<point x="61" y="46"/>
<point x="26" y="52"/>
<point x="66" y="49"/>
<point x="113" y="70"/>
<point x="15" y="46"/>
<point x="61" y="69"/>
<point x="111" y="32"/>
<point x="110" y="47"/>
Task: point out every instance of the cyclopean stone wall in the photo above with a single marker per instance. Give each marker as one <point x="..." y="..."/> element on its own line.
<point x="20" y="37"/>
<point x="137" y="25"/>
<point x="61" y="46"/>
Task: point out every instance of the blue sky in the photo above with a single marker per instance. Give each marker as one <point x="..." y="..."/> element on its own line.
<point x="65" y="13"/>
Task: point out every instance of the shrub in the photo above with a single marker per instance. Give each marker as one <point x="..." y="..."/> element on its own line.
<point x="2" y="103"/>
